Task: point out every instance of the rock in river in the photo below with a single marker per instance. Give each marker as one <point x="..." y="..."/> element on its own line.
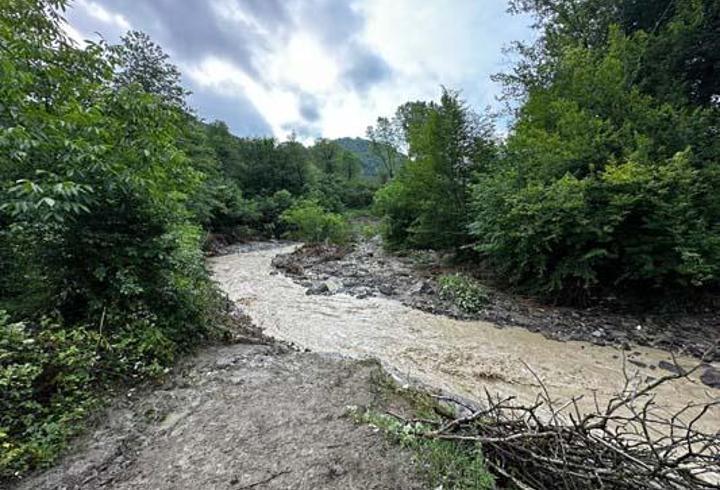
<point x="711" y="377"/>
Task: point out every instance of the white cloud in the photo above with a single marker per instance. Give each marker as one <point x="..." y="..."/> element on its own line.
<point x="231" y="11"/>
<point x="279" y="106"/>
<point x="457" y="43"/>
<point x="302" y="63"/>
<point x="102" y="14"/>
<point x="293" y="57"/>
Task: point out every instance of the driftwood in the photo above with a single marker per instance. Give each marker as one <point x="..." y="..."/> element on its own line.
<point x="628" y="443"/>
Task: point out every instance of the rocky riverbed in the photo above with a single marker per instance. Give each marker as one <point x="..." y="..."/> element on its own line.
<point x="365" y="270"/>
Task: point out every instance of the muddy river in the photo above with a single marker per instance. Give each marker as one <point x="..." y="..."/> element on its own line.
<point x="461" y="357"/>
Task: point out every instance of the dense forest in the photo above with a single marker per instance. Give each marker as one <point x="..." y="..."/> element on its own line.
<point x="111" y="188"/>
<point x="609" y="175"/>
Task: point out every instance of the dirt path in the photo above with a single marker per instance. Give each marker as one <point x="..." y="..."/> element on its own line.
<point x="240" y="417"/>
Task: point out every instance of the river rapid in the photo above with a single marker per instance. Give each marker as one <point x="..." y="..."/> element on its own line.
<point x="459" y="357"/>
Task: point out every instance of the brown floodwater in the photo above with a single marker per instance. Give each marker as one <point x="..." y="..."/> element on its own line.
<point x="460" y="357"/>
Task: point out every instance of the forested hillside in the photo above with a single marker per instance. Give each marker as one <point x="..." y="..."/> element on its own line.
<point x="372" y="164"/>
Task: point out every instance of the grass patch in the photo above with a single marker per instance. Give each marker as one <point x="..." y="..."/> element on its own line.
<point x="466" y="293"/>
<point x="450" y="465"/>
<point x="446" y="464"/>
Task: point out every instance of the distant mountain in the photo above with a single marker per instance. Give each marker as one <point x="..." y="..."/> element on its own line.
<point x="361" y="147"/>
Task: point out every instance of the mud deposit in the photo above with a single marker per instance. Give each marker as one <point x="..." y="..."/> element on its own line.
<point x="240" y="417"/>
<point x="462" y="357"/>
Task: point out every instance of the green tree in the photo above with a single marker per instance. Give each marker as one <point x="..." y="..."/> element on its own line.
<point x="386" y="142"/>
<point x="227" y="150"/>
<point x="426" y="205"/>
<point x="350" y="166"/>
<point x="603" y="184"/>
<point x="97" y="230"/>
<point x="141" y="61"/>
<point x="326" y="156"/>
<point x="295" y="166"/>
<point x="682" y="58"/>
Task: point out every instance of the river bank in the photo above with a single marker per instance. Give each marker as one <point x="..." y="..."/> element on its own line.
<point x="456" y="356"/>
<point x="265" y="412"/>
<point x="366" y="270"/>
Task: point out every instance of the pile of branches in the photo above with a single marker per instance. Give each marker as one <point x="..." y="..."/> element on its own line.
<point x="628" y="443"/>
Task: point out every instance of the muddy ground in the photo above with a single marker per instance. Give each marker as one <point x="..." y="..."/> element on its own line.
<point x="365" y="269"/>
<point x="238" y="417"/>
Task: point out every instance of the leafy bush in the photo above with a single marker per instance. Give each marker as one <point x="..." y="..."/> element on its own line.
<point x="44" y="377"/>
<point x="308" y="221"/>
<point x="358" y="194"/>
<point x="271" y="208"/>
<point x="337" y="194"/>
<point x="398" y="210"/>
<point x="52" y="376"/>
<point x="255" y="217"/>
<point x="466" y="293"/>
<point x="369" y="231"/>
<point x="98" y="231"/>
<point x="599" y="188"/>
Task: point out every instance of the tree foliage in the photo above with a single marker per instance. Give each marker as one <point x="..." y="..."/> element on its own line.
<point x="141" y="61"/>
<point x="99" y="245"/>
<point x="682" y="55"/>
<point x="608" y="177"/>
<point x="386" y="144"/>
<point x="426" y="205"/>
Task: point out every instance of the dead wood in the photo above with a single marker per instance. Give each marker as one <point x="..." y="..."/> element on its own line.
<point x="629" y="443"/>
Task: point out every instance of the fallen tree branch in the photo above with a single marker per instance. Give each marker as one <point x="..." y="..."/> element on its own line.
<point x="629" y="444"/>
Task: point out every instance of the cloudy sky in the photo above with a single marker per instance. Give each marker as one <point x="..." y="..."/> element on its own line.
<point x="315" y="67"/>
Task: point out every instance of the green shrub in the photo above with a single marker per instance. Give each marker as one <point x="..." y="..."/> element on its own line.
<point x="308" y="221"/>
<point x="328" y="193"/>
<point x="98" y="231"/>
<point x="370" y="231"/>
<point x="45" y="373"/>
<point x="446" y="464"/>
<point x="254" y="217"/>
<point x="271" y="209"/>
<point x="51" y="377"/>
<point x="466" y="293"/>
<point x="398" y="210"/>
<point x="602" y="187"/>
